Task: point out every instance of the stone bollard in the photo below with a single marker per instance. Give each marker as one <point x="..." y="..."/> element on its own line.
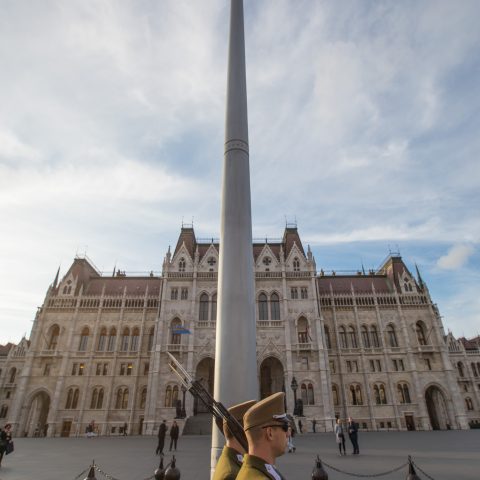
<point x="412" y="474"/>
<point x="172" y="472"/>
<point x="318" y="472"/>
<point x="160" y="472"/>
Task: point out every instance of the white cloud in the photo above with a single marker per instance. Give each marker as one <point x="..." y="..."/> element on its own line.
<point x="456" y="257"/>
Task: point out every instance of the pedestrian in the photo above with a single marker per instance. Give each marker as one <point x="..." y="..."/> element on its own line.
<point x="125" y="426"/>
<point x="162" y="430"/>
<point x="6" y="443"/>
<point x="300" y="426"/>
<point x="340" y="437"/>
<point x="174" y="431"/>
<point x="291" y="447"/>
<point x="353" y="435"/>
<point x="314" y="424"/>
<point x="230" y="461"/>
<point x="267" y="429"/>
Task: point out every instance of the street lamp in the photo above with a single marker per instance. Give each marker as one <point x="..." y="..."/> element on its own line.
<point x="184" y="390"/>
<point x="294" y="387"/>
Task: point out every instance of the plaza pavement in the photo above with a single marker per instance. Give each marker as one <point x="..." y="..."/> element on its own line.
<point x="443" y="455"/>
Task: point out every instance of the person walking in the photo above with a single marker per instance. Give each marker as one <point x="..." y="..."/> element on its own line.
<point x="162" y="431"/>
<point x="353" y="435"/>
<point x="300" y="426"/>
<point x="174" y="431"/>
<point x="314" y="424"/>
<point x="125" y="426"/>
<point x="6" y="444"/>
<point x="340" y="437"/>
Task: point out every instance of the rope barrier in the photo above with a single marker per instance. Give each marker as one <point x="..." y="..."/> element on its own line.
<point x="82" y="473"/>
<point x="423" y="471"/>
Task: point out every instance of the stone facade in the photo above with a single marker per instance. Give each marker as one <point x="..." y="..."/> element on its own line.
<point x="370" y="345"/>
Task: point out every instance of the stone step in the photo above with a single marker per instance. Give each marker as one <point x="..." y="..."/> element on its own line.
<point x="200" y="424"/>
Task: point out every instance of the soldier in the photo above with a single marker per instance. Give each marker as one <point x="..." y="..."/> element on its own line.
<point x="230" y="460"/>
<point x="267" y="429"/>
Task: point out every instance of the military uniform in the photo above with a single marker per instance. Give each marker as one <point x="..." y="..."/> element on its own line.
<point x="230" y="461"/>
<point x="254" y="468"/>
<point x="228" y="464"/>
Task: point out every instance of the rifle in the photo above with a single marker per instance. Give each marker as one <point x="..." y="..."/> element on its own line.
<point x="215" y="408"/>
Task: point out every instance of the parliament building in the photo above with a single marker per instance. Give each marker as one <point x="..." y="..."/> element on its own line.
<point x="370" y="345"/>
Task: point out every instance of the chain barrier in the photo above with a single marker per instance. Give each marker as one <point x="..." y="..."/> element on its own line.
<point x="365" y="475"/>
<point x="423" y="471"/>
<point x="105" y="474"/>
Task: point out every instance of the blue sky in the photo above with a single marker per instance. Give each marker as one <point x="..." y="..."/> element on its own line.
<point x="364" y="121"/>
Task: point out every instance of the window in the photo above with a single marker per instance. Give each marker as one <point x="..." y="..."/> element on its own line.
<point x="460" y="369"/>
<point x="395" y="364"/>
<point x="112" y="338"/>
<point x="356" y="395"/>
<point x="352" y="366"/>
<point x="181" y="265"/>
<point x="93" y="402"/>
<point x="151" y="334"/>
<point x="74" y="368"/>
<point x="379" y="365"/>
<point x="102" y="340"/>
<point x="184" y="293"/>
<point x="146" y="368"/>
<point x="52" y="345"/>
<point x="391" y="336"/>
<point x="428" y="365"/>
<point x="372" y="366"/>
<point x="134" y="340"/>
<point x="174" y="396"/>
<point x="175" y="337"/>
<point x="129" y="369"/>
<point x="469" y="403"/>
<point x="343" y="337"/>
<point x="332" y="366"/>
<point x="304" y="293"/>
<point x="211" y="261"/>
<point x="379" y="394"/>
<point x="420" y="329"/>
<point x="105" y="369"/>
<point x="100" y="399"/>
<point x="327" y="337"/>
<point x="374" y="336"/>
<point x="168" y="396"/>
<point x="402" y="366"/>
<point x="125" y="398"/>
<point x="143" y="397"/>
<point x="213" y="312"/>
<point x="262" y="307"/>
<point x="353" y="337"/>
<point x="46" y="370"/>
<point x="3" y="411"/>
<point x="81" y="368"/>
<point x="122" y="398"/>
<point x="274" y="307"/>
<point x="305" y="363"/>
<point x="123" y="367"/>
<point x="98" y="370"/>
<point x="125" y="340"/>
<point x="302" y="330"/>
<point x="306" y="390"/>
<point x="296" y="264"/>
<point x="82" y="346"/>
<point x="294" y="293"/>
<point x="174" y="294"/>
<point x="267" y="261"/>
<point x="403" y="393"/>
<point x="335" y="395"/>
<point x="76" y="394"/>
<point x="365" y="337"/>
<point x="68" y="403"/>
<point x="203" y="312"/>
<point x="72" y="398"/>
<point x="474" y="369"/>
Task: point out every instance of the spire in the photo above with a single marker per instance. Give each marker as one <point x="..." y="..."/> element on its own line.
<point x="55" y="282"/>
<point x="420" y="280"/>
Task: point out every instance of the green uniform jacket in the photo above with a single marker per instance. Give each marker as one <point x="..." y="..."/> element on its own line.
<point x="228" y="465"/>
<point x="254" y="468"/>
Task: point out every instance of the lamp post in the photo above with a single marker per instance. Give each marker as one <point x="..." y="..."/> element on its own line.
<point x="294" y="386"/>
<point x="184" y="390"/>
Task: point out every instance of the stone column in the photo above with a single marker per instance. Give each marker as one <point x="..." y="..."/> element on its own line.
<point x="235" y="357"/>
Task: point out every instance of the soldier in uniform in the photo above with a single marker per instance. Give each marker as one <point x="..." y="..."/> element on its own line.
<point x="267" y="429"/>
<point x="230" y="460"/>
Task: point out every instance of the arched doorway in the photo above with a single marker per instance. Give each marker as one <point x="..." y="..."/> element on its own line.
<point x="205" y="375"/>
<point x="437" y="408"/>
<point x="37" y="416"/>
<point x="271" y="377"/>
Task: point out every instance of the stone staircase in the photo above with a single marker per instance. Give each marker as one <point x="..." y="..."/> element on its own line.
<point x="200" y="424"/>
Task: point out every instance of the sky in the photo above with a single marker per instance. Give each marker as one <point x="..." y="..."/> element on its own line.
<point x="364" y="122"/>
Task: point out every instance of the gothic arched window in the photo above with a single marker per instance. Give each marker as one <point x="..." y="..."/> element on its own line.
<point x="335" y="395"/>
<point x="460" y="369"/>
<point x="112" y="338"/>
<point x="274" y="307"/>
<point x="302" y="330"/>
<point x="262" y="307"/>
<point x="327" y="337"/>
<point x="420" y="329"/>
<point x="296" y="264"/>
<point x="168" y="396"/>
<point x="353" y="337"/>
<point x="343" y="337"/>
<point x="175" y="337"/>
<point x="203" y="312"/>
<point x="392" y="336"/>
<point x="181" y="265"/>
<point x="82" y="346"/>
<point x="125" y="339"/>
<point x="365" y="337"/>
<point x="213" y="312"/>
<point x="374" y="336"/>
<point x="134" y="340"/>
<point x="102" y="340"/>
<point x="52" y="345"/>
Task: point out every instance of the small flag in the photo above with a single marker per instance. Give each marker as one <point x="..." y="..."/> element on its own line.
<point x="181" y="331"/>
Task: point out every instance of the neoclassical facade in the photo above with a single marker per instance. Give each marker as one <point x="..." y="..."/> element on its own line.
<point x="370" y="345"/>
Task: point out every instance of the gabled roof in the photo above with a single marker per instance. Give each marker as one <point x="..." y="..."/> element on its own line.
<point x="361" y="284"/>
<point x="4" y="349"/>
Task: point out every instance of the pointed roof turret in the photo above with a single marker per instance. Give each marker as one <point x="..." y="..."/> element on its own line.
<point x="55" y="281"/>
